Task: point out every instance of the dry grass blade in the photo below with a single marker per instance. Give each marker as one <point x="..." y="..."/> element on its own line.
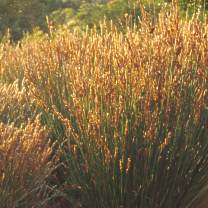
<point x="24" y="164"/>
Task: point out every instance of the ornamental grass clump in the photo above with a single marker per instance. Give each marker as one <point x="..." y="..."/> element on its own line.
<point x="24" y="165"/>
<point x="129" y="110"/>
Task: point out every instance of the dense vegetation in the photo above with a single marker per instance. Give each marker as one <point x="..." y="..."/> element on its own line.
<point x="22" y="16"/>
<point x="104" y="117"/>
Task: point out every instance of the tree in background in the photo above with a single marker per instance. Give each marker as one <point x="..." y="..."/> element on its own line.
<point x="21" y="16"/>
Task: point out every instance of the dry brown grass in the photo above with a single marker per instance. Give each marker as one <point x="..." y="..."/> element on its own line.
<point x="24" y="164"/>
<point x="131" y="108"/>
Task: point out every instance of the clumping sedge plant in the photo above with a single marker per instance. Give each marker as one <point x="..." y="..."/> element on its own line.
<point x="24" y="151"/>
<point x="128" y="110"/>
<point x="24" y="165"/>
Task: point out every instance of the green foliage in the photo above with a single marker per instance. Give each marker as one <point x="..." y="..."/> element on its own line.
<point x="93" y="13"/>
<point x="61" y="16"/>
<point x="21" y="16"/>
<point x="89" y="14"/>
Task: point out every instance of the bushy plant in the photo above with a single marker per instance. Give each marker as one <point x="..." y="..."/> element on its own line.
<point x="129" y="110"/>
<point x="134" y="111"/>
